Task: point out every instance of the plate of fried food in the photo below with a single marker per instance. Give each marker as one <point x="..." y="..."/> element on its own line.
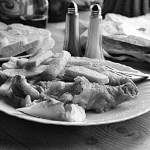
<point x="21" y="40"/>
<point x="61" y="89"/>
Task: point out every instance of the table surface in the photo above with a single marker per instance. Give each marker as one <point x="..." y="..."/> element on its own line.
<point x="19" y="134"/>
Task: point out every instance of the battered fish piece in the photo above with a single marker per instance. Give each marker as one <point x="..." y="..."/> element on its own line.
<point x="49" y="109"/>
<point x="101" y="98"/>
<point x="56" y="89"/>
<point x="74" y="113"/>
<point x="90" y="96"/>
<point x="55" y="110"/>
<point x="54" y="68"/>
<point x="22" y="88"/>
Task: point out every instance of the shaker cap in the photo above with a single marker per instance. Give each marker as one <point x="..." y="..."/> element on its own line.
<point x="72" y="8"/>
<point x="95" y="10"/>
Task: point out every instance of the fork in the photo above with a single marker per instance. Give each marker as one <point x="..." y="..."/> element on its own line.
<point x="136" y="77"/>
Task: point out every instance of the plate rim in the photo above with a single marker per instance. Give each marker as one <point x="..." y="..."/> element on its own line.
<point x="21" y="115"/>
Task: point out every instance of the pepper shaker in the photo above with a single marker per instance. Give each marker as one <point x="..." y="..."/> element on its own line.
<point x="94" y="41"/>
<point x="72" y="37"/>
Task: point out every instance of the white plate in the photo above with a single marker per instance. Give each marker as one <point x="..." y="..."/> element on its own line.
<point x="122" y="112"/>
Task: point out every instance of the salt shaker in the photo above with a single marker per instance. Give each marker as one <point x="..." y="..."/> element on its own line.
<point x="72" y="37"/>
<point x="94" y="41"/>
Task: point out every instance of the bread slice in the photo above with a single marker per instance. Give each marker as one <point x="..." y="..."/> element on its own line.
<point x="24" y="36"/>
<point x="17" y="48"/>
<point x="33" y="33"/>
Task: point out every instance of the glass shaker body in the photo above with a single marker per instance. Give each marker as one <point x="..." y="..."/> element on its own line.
<point x="94" y="41"/>
<point x="72" y="36"/>
<point x="34" y="12"/>
<point x="71" y="41"/>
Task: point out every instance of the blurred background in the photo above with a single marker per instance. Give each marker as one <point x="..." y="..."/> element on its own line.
<point x="30" y="10"/>
<point x="20" y="11"/>
<point x="129" y="8"/>
<point x="58" y="8"/>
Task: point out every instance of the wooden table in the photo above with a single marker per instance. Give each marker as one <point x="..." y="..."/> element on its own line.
<point x="19" y="134"/>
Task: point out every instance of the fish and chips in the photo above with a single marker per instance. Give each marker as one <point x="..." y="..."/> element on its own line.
<point x="62" y="87"/>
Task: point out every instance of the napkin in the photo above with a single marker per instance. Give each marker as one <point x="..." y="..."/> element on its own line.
<point x="124" y="38"/>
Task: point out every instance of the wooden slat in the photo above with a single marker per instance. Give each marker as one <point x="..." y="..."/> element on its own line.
<point x="132" y="135"/>
<point x="8" y="143"/>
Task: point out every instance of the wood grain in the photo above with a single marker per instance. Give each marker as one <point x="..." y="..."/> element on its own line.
<point x="132" y="135"/>
<point x="7" y="142"/>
